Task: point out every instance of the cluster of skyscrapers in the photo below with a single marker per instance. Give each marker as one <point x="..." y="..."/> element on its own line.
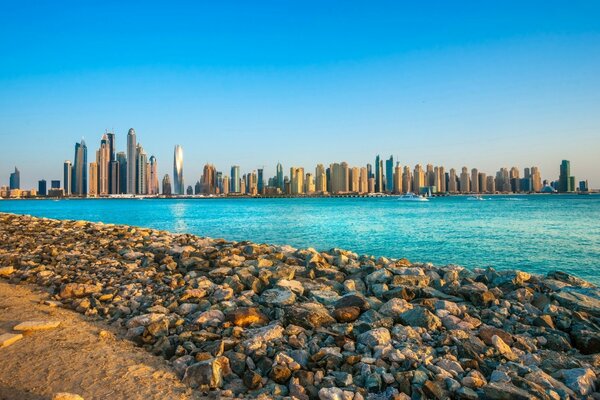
<point x="134" y="173"/>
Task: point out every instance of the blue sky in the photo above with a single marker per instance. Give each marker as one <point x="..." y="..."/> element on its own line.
<point x="479" y="84"/>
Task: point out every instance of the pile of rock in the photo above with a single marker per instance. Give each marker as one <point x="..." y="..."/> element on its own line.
<point x="255" y="320"/>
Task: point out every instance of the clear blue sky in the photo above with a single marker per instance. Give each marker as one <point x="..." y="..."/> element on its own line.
<point x="480" y="84"/>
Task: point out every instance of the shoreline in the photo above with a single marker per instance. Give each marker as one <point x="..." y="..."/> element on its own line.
<point x="247" y="319"/>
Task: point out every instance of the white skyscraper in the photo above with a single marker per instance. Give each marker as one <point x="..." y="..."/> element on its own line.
<point x="178" y="184"/>
<point x="131" y="157"/>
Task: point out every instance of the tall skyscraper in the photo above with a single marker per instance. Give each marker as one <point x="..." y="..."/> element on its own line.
<point x="297" y="180"/>
<point x="114" y="177"/>
<point x="93" y="191"/>
<point x="397" y="179"/>
<point x="279" y="178"/>
<point x="378" y="175"/>
<point x="123" y="168"/>
<point x="15" y="180"/>
<point x="166" y="185"/>
<point x="260" y="185"/>
<point x="153" y="178"/>
<point x="465" y="183"/>
<point x="364" y="181"/>
<point x="226" y="185"/>
<point x="103" y="161"/>
<point x="452" y="181"/>
<point x="475" y="181"/>
<point x="407" y="180"/>
<point x="564" y="179"/>
<point x="80" y="169"/>
<point x="209" y="179"/>
<point x="320" y="179"/>
<point x="111" y="146"/>
<point x="131" y="165"/>
<point x="141" y="173"/>
<point x="418" y="178"/>
<point x="536" y="179"/>
<point x="235" y="179"/>
<point x="178" y="184"/>
<point x="42" y="188"/>
<point x="67" y="177"/>
<point x="389" y="175"/>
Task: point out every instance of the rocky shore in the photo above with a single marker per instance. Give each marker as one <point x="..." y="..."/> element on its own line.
<point x="246" y="320"/>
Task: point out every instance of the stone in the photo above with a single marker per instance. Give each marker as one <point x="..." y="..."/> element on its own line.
<point x="375" y="337"/>
<point x="36" y="325"/>
<point x="486" y="333"/>
<point x="74" y="290"/>
<point x="506" y="391"/>
<point x="205" y="375"/>
<point x="434" y="390"/>
<point x="7" y="271"/>
<point x="280" y="373"/>
<point x="394" y="307"/>
<point x="332" y="393"/>
<point x="210" y="317"/>
<point x="421" y="317"/>
<point x="309" y="315"/>
<point x="6" y="339"/>
<point x="346" y="314"/>
<point x="465" y="393"/>
<point x="260" y="336"/>
<point x="293" y="285"/>
<point x="503" y="348"/>
<point x="252" y="380"/>
<point x="474" y="380"/>
<point x="66" y="396"/>
<point x="278" y="297"/>
<point x="352" y="300"/>
<point x="544" y="321"/>
<point x="246" y="316"/>
<point x="579" y="380"/>
<point x="580" y="299"/>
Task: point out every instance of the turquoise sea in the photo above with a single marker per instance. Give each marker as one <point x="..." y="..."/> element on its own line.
<point x="535" y="233"/>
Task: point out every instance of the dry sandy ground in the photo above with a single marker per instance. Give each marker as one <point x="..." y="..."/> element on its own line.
<point x="74" y="358"/>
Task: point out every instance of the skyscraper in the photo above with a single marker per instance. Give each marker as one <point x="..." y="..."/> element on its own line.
<point x="67" y="177"/>
<point x="564" y="179"/>
<point x="235" y="179"/>
<point x="260" y="185"/>
<point x="209" y="179"/>
<point x="178" y="184"/>
<point x="378" y="175"/>
<point x="131" y="165"/>
<point x="297" y="180"/>
<point x="364" y="181"/>
<point x="389" y="175"/>
<point x="418" y="178"/>
<point x="93" y="179"/>
<point x="80" y="169"/>
<point x="320" y="179"/>
<point x="153" y="178"/>
<point x="122" y="160"/>
<point x="114" y="177"/>
<point x="398" y="178"/>
<point x="280" y="177"/>
<point x="465" y="183"/>
<point x="475" y="181"/>
<point x="141" y="173"/>
<point x="452" y="179"/>
<point x="103" y="161"/>
<point x="166" y="185"/>
<point x="42" y="189"/>
<point x="15" y="180"/>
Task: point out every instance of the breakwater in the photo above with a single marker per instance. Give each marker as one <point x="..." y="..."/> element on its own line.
<point x="256" y="320"/>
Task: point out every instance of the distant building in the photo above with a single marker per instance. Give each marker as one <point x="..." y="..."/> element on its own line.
<point x="153" y="177"/>
<point x="235" y="179"/>
<point x="55" y="184"/>
<point x="42" y="190"/>
<point x="122" y="161"/>
<point x="93" y="189"/>
<point x="566" y="182"/>
<point x="279" y="176"/>
<point x="260" y="184"/>
<point x="141" y="171"/>
<point x="67" y="177"/>
<point x="166" y="186"/>
<point x="79" y="179"/>
<point x="583" y="186"/>
<point x="131" y="165"/>
<point x="378" y="175"/>
<point x="190" y="191"/>
<point x="389" y="175"/>
<point x="15" y="180"/>
<point x="178" y="184"/>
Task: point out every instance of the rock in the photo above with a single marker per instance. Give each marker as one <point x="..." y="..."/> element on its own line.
<point x="487" y="332"/>
<point x="246" y="316"/>
<point x="474" y="380"/>
<point x="260" y="336"/>
<point x="584" y="299"/>
<point x="503" y="348"/>
<point x="252" y="380"/>
<point x="579" y="380"/>
<point x="434" y="390"/>
<point x="36" y="325"/>
<point x="544" y="321"/>
<point x="309" y="315"/>
<point x="352" y="300"/>
<point x="74" y="290"/>
<point x="66" y="396"/>
<point x="6" y="339"/>
<point x="205" y="375"/>
<point x="506" y="391"/>
<point x="7" y="271"/>
<point x="346" y="314"/>
<point x="214" y="317"/>
<point x="278" y="297"/>
<point x="466" y="393"/>
<point x="421" y="317"/>
<point x="332" y="393"/>
<point x="294" y="286"/>
<point x="394" y="307"/>
<point x="375" y="337"/>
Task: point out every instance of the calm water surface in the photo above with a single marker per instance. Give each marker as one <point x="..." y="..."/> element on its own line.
<point x="533" y="233"/>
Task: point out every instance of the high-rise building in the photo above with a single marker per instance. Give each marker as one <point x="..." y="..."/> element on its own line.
<point x="209" y="179"/>
<point x="189" y="191"/>
<point x="166" y="185"/>
<point x="354" y="180"/>
<point x="398" y="179"/>
<point x="80" y="168"/>
<point x="429" y="175"/>
<point x="178" y="184"/>
<point x="226" y="185"/>
<point x="491" y="184"/>
<point x="279" y="177"/>
<point x="93" y="190"/>
<point x="198" y="188"/>
<point x="443" y="187"/>
<point x="103" y="161"/>
<point x="67" y="177"/>
<point x="536" y="179"/>
<point x="515" y="180"/>
<point x="452" y="181"/>
<point x="407" y="180"/>
<point x="55" y="184"/>
<point x="15" y="180"/>
<point x="465" y="183"/>
<point x="260" y="185"/>
<point x="389" y="175"/>
<point x="114" y="177"/>
<point x="320" y="179"/>
<point x="309" y="183"/>
<point x="475" y="180"/>
<point x="153" y="177"/>
<point x="565" y="183"/>
<point x="132" y="184"/>
<point x="296" y="180"/>
<point x="418" y="178"/>
<point x="42" y="189"/>
<point x="378" y="175"/>
<point x="482" y="182"/>
<point x="364" y="181"/>
<point x="235" y="179"/>
<point x="141" y="171"/>
<point x="123" y="168"/>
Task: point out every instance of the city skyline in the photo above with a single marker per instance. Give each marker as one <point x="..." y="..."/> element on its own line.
<point x="105" y="178"/>
<point x="473" y="84"/>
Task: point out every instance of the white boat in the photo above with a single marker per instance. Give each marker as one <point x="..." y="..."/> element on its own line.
<point x="475" y="198"/>
<point x="412" y="197"/>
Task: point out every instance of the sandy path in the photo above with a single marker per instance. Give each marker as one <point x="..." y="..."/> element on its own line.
<point x="73" y="358"/>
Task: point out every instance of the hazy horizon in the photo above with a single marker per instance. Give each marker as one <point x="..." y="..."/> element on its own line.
<point x="461" y="84"/>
